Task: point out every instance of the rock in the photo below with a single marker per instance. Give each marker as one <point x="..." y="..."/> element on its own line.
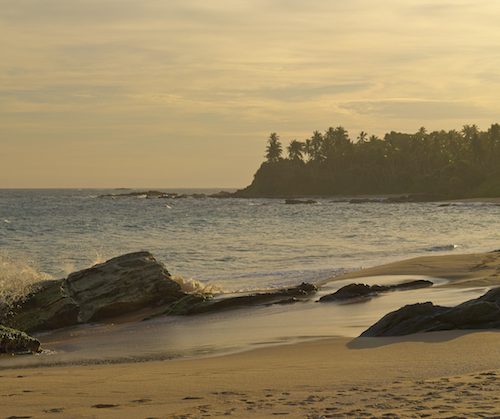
<point x="411" y="285"/>
<point x="222" y="194"/>
<point x="420" y="197"/>
<point x="47" y="307"/>
<point x="14" y="341"/>
<point x="139" y="194"/>
<point x="120" y="286"/>
<point x="356" y="291"/>
<point x="480" y="313"/>
<point x="286" y="296"/>
<point x="300" y="201"/>
<point x="366" y="200"/>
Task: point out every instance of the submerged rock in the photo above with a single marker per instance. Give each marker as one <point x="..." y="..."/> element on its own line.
<point x="14" y="341"/>
<point x="120" y="286"/>
<point x="480" y="313"/>
<point x="356" y="291"/>
<point x="139" y="194"/>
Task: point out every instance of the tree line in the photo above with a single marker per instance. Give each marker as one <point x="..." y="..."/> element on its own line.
<point x="447" y="163"/>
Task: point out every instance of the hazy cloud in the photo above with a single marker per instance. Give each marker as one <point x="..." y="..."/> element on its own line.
<point x="177" y="80"/>
<point x="419" y="109"/>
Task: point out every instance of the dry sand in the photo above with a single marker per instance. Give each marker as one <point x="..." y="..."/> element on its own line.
<point x="438" y="374"/>
<point x="442" y="374"/>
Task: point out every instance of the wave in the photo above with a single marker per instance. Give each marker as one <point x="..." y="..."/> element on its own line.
<point x="192" y="286"/>
<point x="17" y="279"/>
<point x="441" y="248"/>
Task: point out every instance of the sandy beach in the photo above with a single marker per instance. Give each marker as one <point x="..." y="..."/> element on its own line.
<point x="463" y="270"/>
<point x="446" y="374"/>
<point x="440" y="374"/>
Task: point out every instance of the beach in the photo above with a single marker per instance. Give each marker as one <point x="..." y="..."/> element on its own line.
<point x="462" y="270"/>
<point x="438" y="374"/>
<point x="445" y="374"/>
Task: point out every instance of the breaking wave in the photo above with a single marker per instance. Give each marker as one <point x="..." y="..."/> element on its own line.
<point x="193" y="286"/>
<point x="17" y="279"/>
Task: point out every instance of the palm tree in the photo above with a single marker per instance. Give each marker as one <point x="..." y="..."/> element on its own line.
<point x="295" y="150"/>
<point x="274" y="148"/>
<point x="316" y="145"/>
<point x="362" y="137"/>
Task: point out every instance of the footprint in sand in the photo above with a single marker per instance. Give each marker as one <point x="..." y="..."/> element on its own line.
<point x="54" y="410"/>
<point x="104" y="406"/>
<point x="141" y="401"/>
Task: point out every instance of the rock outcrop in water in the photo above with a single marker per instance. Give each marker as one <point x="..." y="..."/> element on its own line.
<point x="13" y="341"/>
<point x="133" y="285"/>
<point x="120" y="286"/>
<point x="363" y="291"/>
<point x="300" y="201"/>
<point x="480" y="313"/>
<point x="284" y="296"/>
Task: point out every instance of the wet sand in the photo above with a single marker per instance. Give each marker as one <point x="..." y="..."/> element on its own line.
<point x="434" y="375"/>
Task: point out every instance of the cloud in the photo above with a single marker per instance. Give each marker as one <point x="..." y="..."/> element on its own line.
<point x="419" y="109"/>
<point x="185" y="72"/>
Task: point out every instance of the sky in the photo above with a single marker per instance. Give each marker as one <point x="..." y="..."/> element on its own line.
<point x="184" y="93"/>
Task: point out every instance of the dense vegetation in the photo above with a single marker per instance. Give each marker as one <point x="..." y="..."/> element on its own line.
<point x="453" y="164"/>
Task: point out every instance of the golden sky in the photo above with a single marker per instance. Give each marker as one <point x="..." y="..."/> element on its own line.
<point x="173" y="93"/>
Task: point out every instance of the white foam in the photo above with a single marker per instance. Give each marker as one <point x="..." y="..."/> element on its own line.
<point x="192" y="286"/>
<point x="17" y="279"/>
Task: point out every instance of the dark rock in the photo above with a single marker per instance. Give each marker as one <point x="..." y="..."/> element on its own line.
<point x="14" y="341"/>
<point x="222" y="194"/>
<point x="422" y="197"/>
<point x="300" y="201"/>
<point x="411" y="285"/>
<point x="120" y="286"/>
<point x="47" y="307"/>
<point x="480" y="313"/>
<point x="147" y="194"/>
<point x="355" y="291"/>
<point x="366" y="200"/>
<point x="285" y="296"/>
<point x="348" y="292"/>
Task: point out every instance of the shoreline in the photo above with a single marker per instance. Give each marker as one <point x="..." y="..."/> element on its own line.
<point x="462" y="270"/>
<point x="438" y="373"/>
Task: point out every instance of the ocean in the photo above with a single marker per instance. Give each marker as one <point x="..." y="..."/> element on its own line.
<point x="233" y="244"/>
<point x="228" y="245"/>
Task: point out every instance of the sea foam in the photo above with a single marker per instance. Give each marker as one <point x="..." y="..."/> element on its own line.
<point x="17" y="279"/>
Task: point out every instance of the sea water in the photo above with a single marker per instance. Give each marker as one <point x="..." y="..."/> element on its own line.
<point x="233" y="244"/>
<point x="228" y="245"/>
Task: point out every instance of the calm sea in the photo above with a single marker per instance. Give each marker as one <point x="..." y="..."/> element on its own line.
<point x="234" y="244"/>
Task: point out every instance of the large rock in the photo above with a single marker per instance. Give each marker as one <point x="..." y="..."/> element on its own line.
<point x="362" y="291"/>
<point x="120" y="286"/>
<point x="14" y="341"/>
<point x="480" y="313"/>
